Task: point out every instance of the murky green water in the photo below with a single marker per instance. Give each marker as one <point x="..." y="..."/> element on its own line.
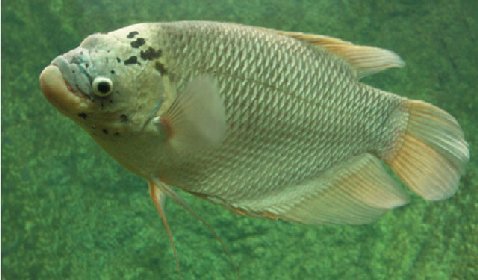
<point x="71" y="212"/>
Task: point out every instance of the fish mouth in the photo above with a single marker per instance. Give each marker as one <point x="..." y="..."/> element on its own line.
<point x="58" y="92"/>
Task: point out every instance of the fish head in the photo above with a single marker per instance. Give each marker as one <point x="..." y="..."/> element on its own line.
<point x="111" y="86"/>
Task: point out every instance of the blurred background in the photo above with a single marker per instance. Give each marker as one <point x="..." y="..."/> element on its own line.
<point x="71" y="212"/>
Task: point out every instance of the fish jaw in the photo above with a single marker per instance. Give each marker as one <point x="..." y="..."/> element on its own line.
<point x="60" y="94"/>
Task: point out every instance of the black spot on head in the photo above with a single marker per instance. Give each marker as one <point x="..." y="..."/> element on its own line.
<point x="131" y="60"/>
<point x="105" y="131"/>
<point x="112" y="72"/>
<point x="123" y="118"/>
<point x="138" y="43"/>
<point x="132" y="34"/>
<point x="118" y="59"/>
<point x="87" y="65"/>
<point x="161" y="69"/>
<point x="150" y="54"/>
<point x="83" y="115"/>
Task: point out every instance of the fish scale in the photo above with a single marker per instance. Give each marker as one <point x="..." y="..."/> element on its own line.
<point x="269" y="160"/>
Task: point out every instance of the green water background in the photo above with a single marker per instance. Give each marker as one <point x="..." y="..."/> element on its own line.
<point x="71" y="212"/>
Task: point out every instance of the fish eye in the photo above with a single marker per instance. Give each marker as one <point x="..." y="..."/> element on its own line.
<point x="102" y="86"/>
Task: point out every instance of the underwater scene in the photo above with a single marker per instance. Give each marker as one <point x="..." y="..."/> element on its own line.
<point x="71" y="211"/>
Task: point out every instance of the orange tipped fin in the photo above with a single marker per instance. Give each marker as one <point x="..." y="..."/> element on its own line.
<point x="364" y="59"/>
<point x="197" y="118"/>
<point x="431" y="155"/>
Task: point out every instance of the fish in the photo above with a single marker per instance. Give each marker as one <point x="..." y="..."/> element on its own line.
<point x="267" y="123"/>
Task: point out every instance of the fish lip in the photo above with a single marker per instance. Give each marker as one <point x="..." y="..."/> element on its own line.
<point x="57" y="91"/>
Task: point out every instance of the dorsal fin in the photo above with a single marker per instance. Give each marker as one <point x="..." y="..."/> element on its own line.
<point x="364" y="59"/>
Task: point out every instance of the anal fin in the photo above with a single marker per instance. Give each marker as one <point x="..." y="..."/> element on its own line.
<point x="355" y="192"/>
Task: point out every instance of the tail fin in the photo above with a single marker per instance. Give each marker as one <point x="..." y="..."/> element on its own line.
<point x="432" y="153"/>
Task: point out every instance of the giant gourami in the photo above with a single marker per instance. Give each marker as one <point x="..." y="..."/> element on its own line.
<point x="264" y="122"/>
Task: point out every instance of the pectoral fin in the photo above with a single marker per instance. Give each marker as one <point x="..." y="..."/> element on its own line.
<point x="355" y="192"/>
<point x="197" y="118"/>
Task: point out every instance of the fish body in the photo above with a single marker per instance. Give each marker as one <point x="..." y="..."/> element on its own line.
<point x="267" y="123"/>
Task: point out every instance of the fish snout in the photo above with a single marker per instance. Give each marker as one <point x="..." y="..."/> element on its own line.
<point x="74" y="66"/>
<point x="58" y="91"/>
